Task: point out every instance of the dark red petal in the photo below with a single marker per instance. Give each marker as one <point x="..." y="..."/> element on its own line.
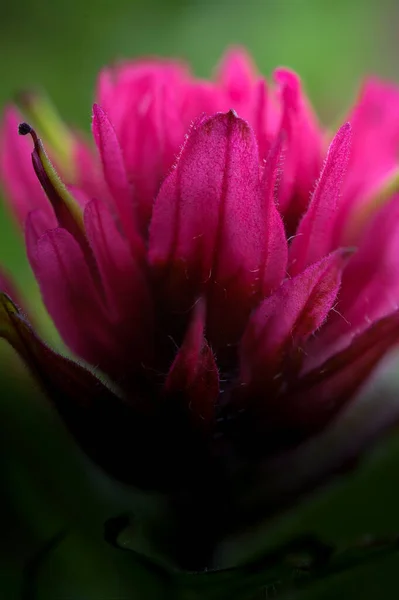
<point x="107" y="428"/>
<point x="193" y="377"/>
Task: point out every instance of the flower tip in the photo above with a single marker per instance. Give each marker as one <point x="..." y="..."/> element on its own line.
<point x="97" y="110"/>
<point x="286" y="76"/>
<point x="24" y="129"/>
<point x="346" y="128"/>
<point x="232" y="114"/>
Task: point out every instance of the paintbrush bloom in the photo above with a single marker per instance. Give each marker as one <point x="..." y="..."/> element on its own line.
<point x="228" y="267"/>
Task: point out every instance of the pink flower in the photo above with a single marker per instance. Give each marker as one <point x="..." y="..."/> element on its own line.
<point x="233" y="275"/>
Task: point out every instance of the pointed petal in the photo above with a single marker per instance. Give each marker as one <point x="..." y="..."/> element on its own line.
<point x="115" y="171"/>
<point x="147" y="116"/>
<point x="59" y="376"/>
<point x="37" y="223"/>
<point x="323" y="392"/>
<point x="317" y="399"/>
<point x="262" y="107"/>
<point x="66" y="208"/>
<point x="126" y="290"/>
<point x="303" y="156"/>
<point x="336" y="449"/>
<point x="193" y="377"/>
<point x="275" y="248"/>
<point x="237" y="78"/>
<point x="287" y="318"/>
<point x="206" y="230"/>
<point x="71" y="297"/>
<point x="107" y="428"/>
<point x="375" y="145"/>
<point x="18" y="177"/>
<point x="313" y="239"/>
<point x="89" y="175"/>
<point x="370" y="287"/>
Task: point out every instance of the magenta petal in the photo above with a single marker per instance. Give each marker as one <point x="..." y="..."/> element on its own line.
<point x="261" y="110"/>
<point x="286" y="319"/>
<point x="37" y="223"/>
<point x="206" y="232"/>
<point x="375" y="146"/>
<point x="126" y="290"/>
<point x="193" y="377"/>
<point x="303" y="156"/>
<point x="370" y="287"/>
<point x="114" y="170"/>
<point x="18" y="176"/>
<point x="238" y="81"/>
<point x="275" y="248"/>
<point x="322" y="393"/>
<point x="150" y="135"/>
<point x="71" y="297"/>
<point x="89" y="175"/>
<point x="313" y="239"/>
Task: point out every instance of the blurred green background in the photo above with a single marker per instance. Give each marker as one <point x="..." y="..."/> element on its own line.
<point x="46" y="484"/>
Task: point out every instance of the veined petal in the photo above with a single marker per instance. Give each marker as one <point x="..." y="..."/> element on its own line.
<point x="37" y="223"/>
<point x="313" y="239"/>
<point x="72" y="298"/>
<point x="206" y="232"/>
<point x="115" y="171"/>
<point x="193" y="377"/>
<point x="286" y="319"/>
<point x="126" y="290"/>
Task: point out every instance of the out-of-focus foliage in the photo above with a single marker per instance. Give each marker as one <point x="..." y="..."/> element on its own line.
<point x="57" y="45"/>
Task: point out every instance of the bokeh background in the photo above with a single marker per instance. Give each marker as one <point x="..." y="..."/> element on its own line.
<point x="46" y="486"/>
